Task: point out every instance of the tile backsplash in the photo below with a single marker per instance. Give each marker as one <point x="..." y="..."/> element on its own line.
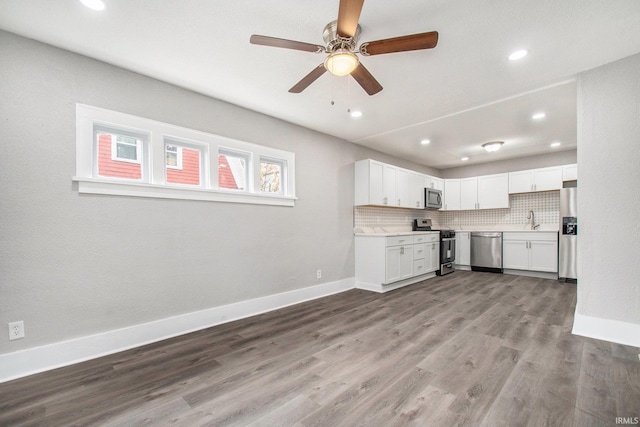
<point x="545" y="205"/>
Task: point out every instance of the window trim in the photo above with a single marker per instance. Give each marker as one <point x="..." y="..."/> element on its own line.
<point x="153" y="184"/>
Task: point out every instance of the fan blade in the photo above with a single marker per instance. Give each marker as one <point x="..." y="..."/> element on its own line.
<point x="348" y="16"/>
<point x="284" y="43"/>
<point x="308" y="79"/>
<point x="401" y="44"/>
<point x="366" y="80"/>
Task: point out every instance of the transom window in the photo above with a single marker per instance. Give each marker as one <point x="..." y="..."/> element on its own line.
<point x="271" y="176"/>
<point x="121" y="154"/>
<point x="233" y="171"/>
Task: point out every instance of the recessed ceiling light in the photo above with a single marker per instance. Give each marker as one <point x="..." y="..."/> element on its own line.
<point x="355" y="114"/>
<point x="464" y="159"/>
<point x="518" y="54"/>
<point x="538" y="116"/>
<point x="93" y="4"/>
<point x="555" y="144"/>
<point x="425" y="142"/>
<point x="492" y="146"/>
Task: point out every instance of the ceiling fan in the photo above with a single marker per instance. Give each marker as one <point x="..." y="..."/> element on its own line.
<point x="341" y="37"/>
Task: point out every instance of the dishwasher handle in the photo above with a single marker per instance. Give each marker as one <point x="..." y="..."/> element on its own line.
<point x="488" y="235"/>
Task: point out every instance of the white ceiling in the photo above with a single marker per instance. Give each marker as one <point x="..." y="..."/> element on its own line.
<point x="459" y="95"/>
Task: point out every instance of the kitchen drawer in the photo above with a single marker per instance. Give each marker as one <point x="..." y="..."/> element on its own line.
<point x="419" y="251"/>
<point x="419" y="266"/>
<point x="426" y="238"/>
<point x="399" y="240"/>
<point x="532" y="236"/>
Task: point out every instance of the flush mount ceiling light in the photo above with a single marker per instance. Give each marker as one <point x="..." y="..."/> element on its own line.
<point x="341" y="62"/>
<point x="355" y="114"/>
<point x="93" y="4"/>
<point x="518" y="54"/>
<point x="464" y="159"/>
<point x="492" y="146"/>
<point x="539" y="116"/>
<point x="425" y="142"/>
<point x="555" y="144"/>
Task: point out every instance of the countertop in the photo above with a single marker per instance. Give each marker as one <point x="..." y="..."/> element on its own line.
<point x="391" y="231"/>
<point x="387" y="231"/>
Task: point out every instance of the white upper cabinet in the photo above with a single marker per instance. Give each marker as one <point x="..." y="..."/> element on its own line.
<point x="528" y="181"/>
<point x="381" y="184"/>
<point x="484" y="192"/>
<point x="451" y="195"/>
<point x="469" y="193"/>
<point x="403" y="188"/>
<point x="436" y="183"/>
<point x="389" y="183"/>
<point x="570" y="172"/>
<point x="493" y="191"/>
<point x="418" y="184"/>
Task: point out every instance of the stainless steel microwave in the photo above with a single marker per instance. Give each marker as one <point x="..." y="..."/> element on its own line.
<point x="432" y="199"/>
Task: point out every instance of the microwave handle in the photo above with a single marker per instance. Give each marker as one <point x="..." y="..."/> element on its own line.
<point x="440" y="199"/>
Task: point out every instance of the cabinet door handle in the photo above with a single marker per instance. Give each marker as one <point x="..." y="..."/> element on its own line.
<point x="398" y="202"/>
<point x="385" y="201"/>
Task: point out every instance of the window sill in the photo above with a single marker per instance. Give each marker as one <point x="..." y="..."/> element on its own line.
<point x="97" y="186"/>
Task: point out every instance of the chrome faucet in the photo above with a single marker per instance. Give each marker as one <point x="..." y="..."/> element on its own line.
<point x="532" y="216"/>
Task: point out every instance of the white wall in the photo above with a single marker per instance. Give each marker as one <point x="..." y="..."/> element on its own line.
<point x="558" y="158"/>
<point x="75" y="265"/>
<point x="609" y="202"/>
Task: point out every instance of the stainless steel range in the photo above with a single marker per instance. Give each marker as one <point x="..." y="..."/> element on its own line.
<point x="447" y="245"/>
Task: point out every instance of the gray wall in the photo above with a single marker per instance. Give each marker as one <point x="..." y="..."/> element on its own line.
<point x="608" y="198"/>
<point x="566" y="157"/>
<point x="73" y="265"/>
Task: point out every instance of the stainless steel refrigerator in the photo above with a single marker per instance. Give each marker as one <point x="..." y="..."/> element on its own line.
<point x="568" y="239"/>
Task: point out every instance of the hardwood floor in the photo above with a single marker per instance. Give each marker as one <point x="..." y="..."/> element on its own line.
<point x="475" y="349"/>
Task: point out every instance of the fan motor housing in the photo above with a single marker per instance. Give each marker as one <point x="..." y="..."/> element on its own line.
<point x="335" y="42"/>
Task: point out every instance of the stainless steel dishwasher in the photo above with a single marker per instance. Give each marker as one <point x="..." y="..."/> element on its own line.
<point x="486" y="251"/>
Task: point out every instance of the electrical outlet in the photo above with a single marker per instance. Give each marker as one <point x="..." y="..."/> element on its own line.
<point x="319" y="274"/>
<point x="16" y="330"/>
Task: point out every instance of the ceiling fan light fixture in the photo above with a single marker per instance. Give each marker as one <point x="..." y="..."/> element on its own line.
<point x="341" y="62"/>
<point x="492" y="146"/>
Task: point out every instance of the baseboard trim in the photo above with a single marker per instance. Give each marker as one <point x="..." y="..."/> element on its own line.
<point x="607" y="330"/>
<point x="44" y="358"/>
<point x="528" y="273"/>
<point x="380" y="288"/>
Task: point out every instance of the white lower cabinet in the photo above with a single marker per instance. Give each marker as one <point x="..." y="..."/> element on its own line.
<point x="387" y="262"/>
<point x="533" y="251"/>
<point x="399" y="263"/>
<point x="463" y="248"/>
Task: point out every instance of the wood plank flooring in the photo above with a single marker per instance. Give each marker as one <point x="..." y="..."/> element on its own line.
<point x="466" y="349"/>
